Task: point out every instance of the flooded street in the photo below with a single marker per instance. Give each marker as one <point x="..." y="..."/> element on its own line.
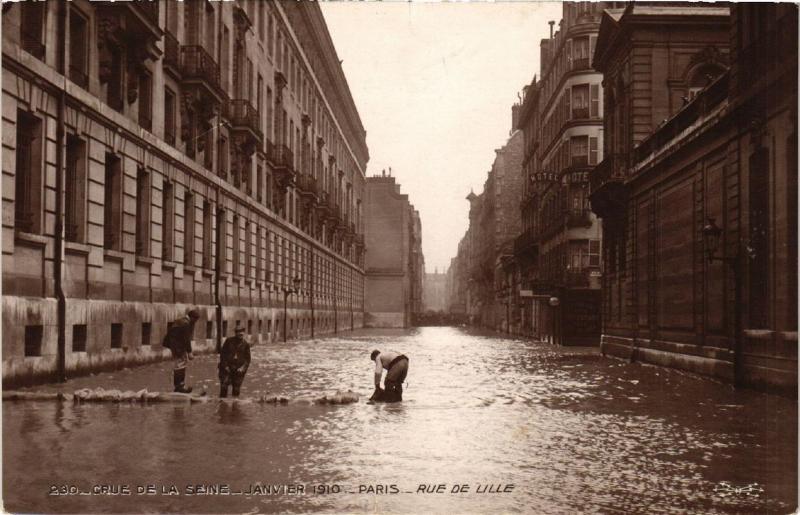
<point x="539" y="429"/>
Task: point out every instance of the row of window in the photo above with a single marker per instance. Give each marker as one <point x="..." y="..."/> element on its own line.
<point x="201" y="29"/>
<point x="34" y="334"/>
<point x="28" y="207"/>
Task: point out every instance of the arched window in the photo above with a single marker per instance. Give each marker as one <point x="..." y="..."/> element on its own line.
<point x="700" y="78"/>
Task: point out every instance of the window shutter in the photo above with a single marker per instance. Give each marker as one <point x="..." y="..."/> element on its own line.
<point x="592" y="151"/>
<point x="592" y="41"/>
<point x="595" y="100"/>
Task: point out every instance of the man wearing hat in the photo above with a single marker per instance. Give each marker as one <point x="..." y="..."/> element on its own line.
<point x="396" y="366"/>
<point x="234" y="359"/>
<point x="179" y="341"/>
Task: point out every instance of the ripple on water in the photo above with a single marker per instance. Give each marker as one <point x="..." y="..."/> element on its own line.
<point x="573" y="431"/>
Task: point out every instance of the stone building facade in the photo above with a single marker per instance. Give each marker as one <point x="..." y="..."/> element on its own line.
<point x="701" y="148"/>
<point x="480" y="275"/>
<point x="394" y="263"/>
<point x="160" y="155"/>
<point x="556" y="255"/>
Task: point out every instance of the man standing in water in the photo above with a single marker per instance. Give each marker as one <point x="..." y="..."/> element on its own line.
<point x="396" y="366"/>
<point x="179" y="341"/>
<point x="234" y="359"/>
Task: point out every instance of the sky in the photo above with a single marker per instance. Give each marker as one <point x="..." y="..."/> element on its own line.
<point x="434" y="84"/>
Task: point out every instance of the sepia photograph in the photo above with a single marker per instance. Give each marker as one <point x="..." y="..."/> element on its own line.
<point x="407" y="257"/>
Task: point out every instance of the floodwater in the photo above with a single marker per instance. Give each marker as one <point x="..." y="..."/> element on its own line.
<point x="527" y="427"/>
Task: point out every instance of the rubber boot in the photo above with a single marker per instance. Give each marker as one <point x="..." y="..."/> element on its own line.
<point x="178" y="378"/>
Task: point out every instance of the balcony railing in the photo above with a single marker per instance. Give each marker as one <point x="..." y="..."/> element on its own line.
<point x="283" y="157"/>
<point x="307" y="185"/>
<point x="579" y="218"/>
<point x="582" y="63"/>
<point x="580" y="113"/>
<point x="282" y="160"/>
<point x="243" y="115"/>
<point x="197" y="64"/>
<point x="609" y="171"/>
<point x="172" y="53"/>
<point x="579" y="161"/>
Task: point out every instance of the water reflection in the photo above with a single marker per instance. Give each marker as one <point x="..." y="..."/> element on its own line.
<point x="570" y="430"/>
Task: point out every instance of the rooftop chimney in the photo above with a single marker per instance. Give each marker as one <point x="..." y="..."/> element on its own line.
<point x="551" y="23"/>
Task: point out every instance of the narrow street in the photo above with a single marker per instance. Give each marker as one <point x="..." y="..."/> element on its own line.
<point x="528" y="426"/>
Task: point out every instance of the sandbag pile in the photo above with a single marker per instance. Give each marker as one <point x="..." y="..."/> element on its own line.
<point x="103" y="395"/>
<point x="88" y="395"/>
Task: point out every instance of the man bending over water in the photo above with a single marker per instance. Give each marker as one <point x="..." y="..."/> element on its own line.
<point x="396" y="366"/>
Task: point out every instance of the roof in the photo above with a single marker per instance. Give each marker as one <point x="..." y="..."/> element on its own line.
<point x="616" y="21"/>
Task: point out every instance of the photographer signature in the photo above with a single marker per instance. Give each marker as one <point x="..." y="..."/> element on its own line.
<point x="726" y="489"/>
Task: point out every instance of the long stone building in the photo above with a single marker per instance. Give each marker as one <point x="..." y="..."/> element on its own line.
<point x="394" y="265"/>
<point x="160" y="155"/>
<point x="557" y="253"/>
<point x="698" y="189"/>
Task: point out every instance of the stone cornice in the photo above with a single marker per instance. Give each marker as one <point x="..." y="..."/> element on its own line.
<point x="308" y="16"/>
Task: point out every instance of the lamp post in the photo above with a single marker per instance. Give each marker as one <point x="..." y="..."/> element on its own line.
<point x="286" y="292"/>
<point x="554" y="302"/>
<point x="712" y="235"/>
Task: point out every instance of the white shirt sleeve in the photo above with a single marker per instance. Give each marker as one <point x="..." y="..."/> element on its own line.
<point x="378" y="365"/>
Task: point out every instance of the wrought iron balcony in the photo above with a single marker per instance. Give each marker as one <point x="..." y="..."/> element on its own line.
<point x="137" y="20"/>
<point x="283" y="165"/>
<point x="322" y="206"/>
<point x="200" y="70"/>
<point x="245" y="121"/>
<point x="307" y="186"/>
<point x="580" y="113"/>
<point x="582" y="63"/>
<point x="607" y="186"/>
<point x="579" y="218"/>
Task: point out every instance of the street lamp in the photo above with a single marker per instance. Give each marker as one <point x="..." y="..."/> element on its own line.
<point x="554" y="303"/>
<point x="286" y="292"/>
<point x="712" y="235"/>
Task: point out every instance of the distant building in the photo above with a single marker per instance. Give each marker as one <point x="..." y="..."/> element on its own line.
<point x="480" y="277"/>
<point x="159" y="155"/>
<point x="394" y="262"/>
<point x="434" y="294"/>
<point x="701" y="141"/>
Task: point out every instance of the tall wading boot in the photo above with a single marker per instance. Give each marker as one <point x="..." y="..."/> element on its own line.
<point x="178" y="378"/>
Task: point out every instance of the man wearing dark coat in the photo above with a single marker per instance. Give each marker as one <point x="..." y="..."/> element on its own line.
<point x="179" y="341"/>
<point x="234" y="359"/>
